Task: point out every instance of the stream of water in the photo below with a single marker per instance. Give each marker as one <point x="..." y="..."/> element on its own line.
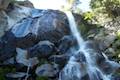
<point x="77" y="69"/>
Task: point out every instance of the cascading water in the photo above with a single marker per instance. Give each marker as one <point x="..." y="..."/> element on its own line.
<point x="82" y="65"/>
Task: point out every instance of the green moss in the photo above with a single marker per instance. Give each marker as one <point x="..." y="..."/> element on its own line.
<point x="4" y="71"/>
<point x="42" y="78"/>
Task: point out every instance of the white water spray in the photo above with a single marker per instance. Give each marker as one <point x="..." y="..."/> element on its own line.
<point x="76" y="70"/>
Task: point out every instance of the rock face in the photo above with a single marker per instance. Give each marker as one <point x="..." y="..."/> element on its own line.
<point x="4" y="4"/>
<point x="39" y="26"/>
<point x="3" y="23"/>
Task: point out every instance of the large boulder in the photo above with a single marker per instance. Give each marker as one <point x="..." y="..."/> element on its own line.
<point x="40" y="25"/>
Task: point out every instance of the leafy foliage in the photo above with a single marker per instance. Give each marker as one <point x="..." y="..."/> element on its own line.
<point x="118" y="34"/>
<point x="88" y="15"/>
<point x="111" y="7"/>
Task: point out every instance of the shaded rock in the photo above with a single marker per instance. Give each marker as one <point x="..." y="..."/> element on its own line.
<point x="80" y="57"/>
<point x="59" y="59"/>
<point x="86" y="77"/>
<point x="27" y="41"/>
<point x="116" y="45"/>
<point x="1" y="45"/>
<point x="4" y="4"/>
<point x="109" y="40"/>
<point x="65" y="43"/>
<point x="109" y="66"/>
<point x="105" y="40"/>
<point x="110" y="52"/>
<point x="116" y="77"/>
<point x="8" y="48"/>
<point x="46" y="70"/>
<point x="42" y="49"/>
<point x="3" y="23"/>
<point x="95" y="33"/>
<point x="15" y="76"/>
<point x="99" y="59"/>
<point x="10" y="61"/>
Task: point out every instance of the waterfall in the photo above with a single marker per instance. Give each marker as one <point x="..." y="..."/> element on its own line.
<point x="85" y="67"/>
<point x="73" y="28"/>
